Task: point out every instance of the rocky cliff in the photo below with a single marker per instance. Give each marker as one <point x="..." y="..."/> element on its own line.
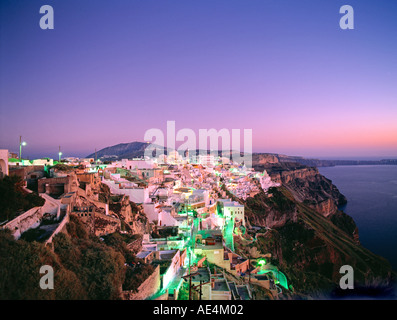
<point x="305" y="183"/>
<point x="309" y="238"/>
<point x="264" y="158"/>
<point x="308" y="186"/>
<point x="271" y="212"/>
<point x="310" y="248"/>
<point x="133" y="219"/>
<point x="324" y="163"/>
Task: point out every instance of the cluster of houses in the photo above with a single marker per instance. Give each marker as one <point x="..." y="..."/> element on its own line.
<point x="184" y="202"/>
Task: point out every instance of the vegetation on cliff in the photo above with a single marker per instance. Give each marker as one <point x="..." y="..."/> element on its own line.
<point x="136" y="271"/>
<point x="20" y="263"/>
<point x="14" y="200"/>
<point x="85" y="267"/>
<point x="310" y="248"/>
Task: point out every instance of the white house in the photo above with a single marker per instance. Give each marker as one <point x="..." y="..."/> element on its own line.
<point x="3" y="162"/>
<point x="232" y="209"/>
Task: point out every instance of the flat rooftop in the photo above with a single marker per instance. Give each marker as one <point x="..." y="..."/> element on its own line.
<point x="243" y="292"/>
<point x="261" y="277"/>
<point x="220" y="285"/>
<point x="203" y="275"/>
<point x="217" y="246"/>
<point x="143" y="254"/>
<point x="167" y="255"/>
<point x="233" y="288"/>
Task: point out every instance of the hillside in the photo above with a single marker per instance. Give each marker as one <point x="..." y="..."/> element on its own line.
<point x="136" y="149"/>
<point x="121" y="151"/>
<point x="308" y="236"/>
<point x="84" y="266"/>
<point x="260" y="157"/>
<point x="310" y="248"/>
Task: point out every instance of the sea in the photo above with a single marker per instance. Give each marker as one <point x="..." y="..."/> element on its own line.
<point x="371" y="193"/>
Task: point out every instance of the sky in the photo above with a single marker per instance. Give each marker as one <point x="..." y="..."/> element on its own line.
<point x="111" y="70"/>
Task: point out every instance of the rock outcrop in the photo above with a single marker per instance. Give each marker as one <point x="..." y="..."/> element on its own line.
<point x="309" y="237"/>
<point x="309" y="247"/>
<point x="269" y="210"/>
<point x="132" y="215"/>
<point x="306" y="184"/>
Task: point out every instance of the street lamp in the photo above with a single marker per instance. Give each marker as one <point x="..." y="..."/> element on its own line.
<point x="59" y="154"/>
<point x="21" y="144"/>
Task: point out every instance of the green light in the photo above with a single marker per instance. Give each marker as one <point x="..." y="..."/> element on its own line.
<point x="262" y="262"/>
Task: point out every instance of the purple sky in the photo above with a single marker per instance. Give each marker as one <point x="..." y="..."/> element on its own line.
<point x="110" y="70"/>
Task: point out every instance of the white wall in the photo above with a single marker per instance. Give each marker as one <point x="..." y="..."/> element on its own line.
<point x="149" y="210"/>
<point x="137" y="195"/>
<point x="235" y="211"/>
<point x="42" y="162"/>
<point x="4" y="161"/>
<point x="166" y="219"/>
<point x="140" y="164"/>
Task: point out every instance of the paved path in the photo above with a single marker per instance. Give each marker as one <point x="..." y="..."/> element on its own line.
<point x="51" y="205"/>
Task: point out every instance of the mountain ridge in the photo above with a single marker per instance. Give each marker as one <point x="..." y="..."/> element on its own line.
<point x="136" y="149"/>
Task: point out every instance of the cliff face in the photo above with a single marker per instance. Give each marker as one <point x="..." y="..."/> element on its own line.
<point x="140" y="224"/>
<point x="306" y="184"/>
<point x="309" y="186"/>
<point x="309" y="247"/>
<point x="270" y="211"/>
<point x="134" y="219"/>
<point x="264" y="158"/>
<point x="310" y="239"/>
